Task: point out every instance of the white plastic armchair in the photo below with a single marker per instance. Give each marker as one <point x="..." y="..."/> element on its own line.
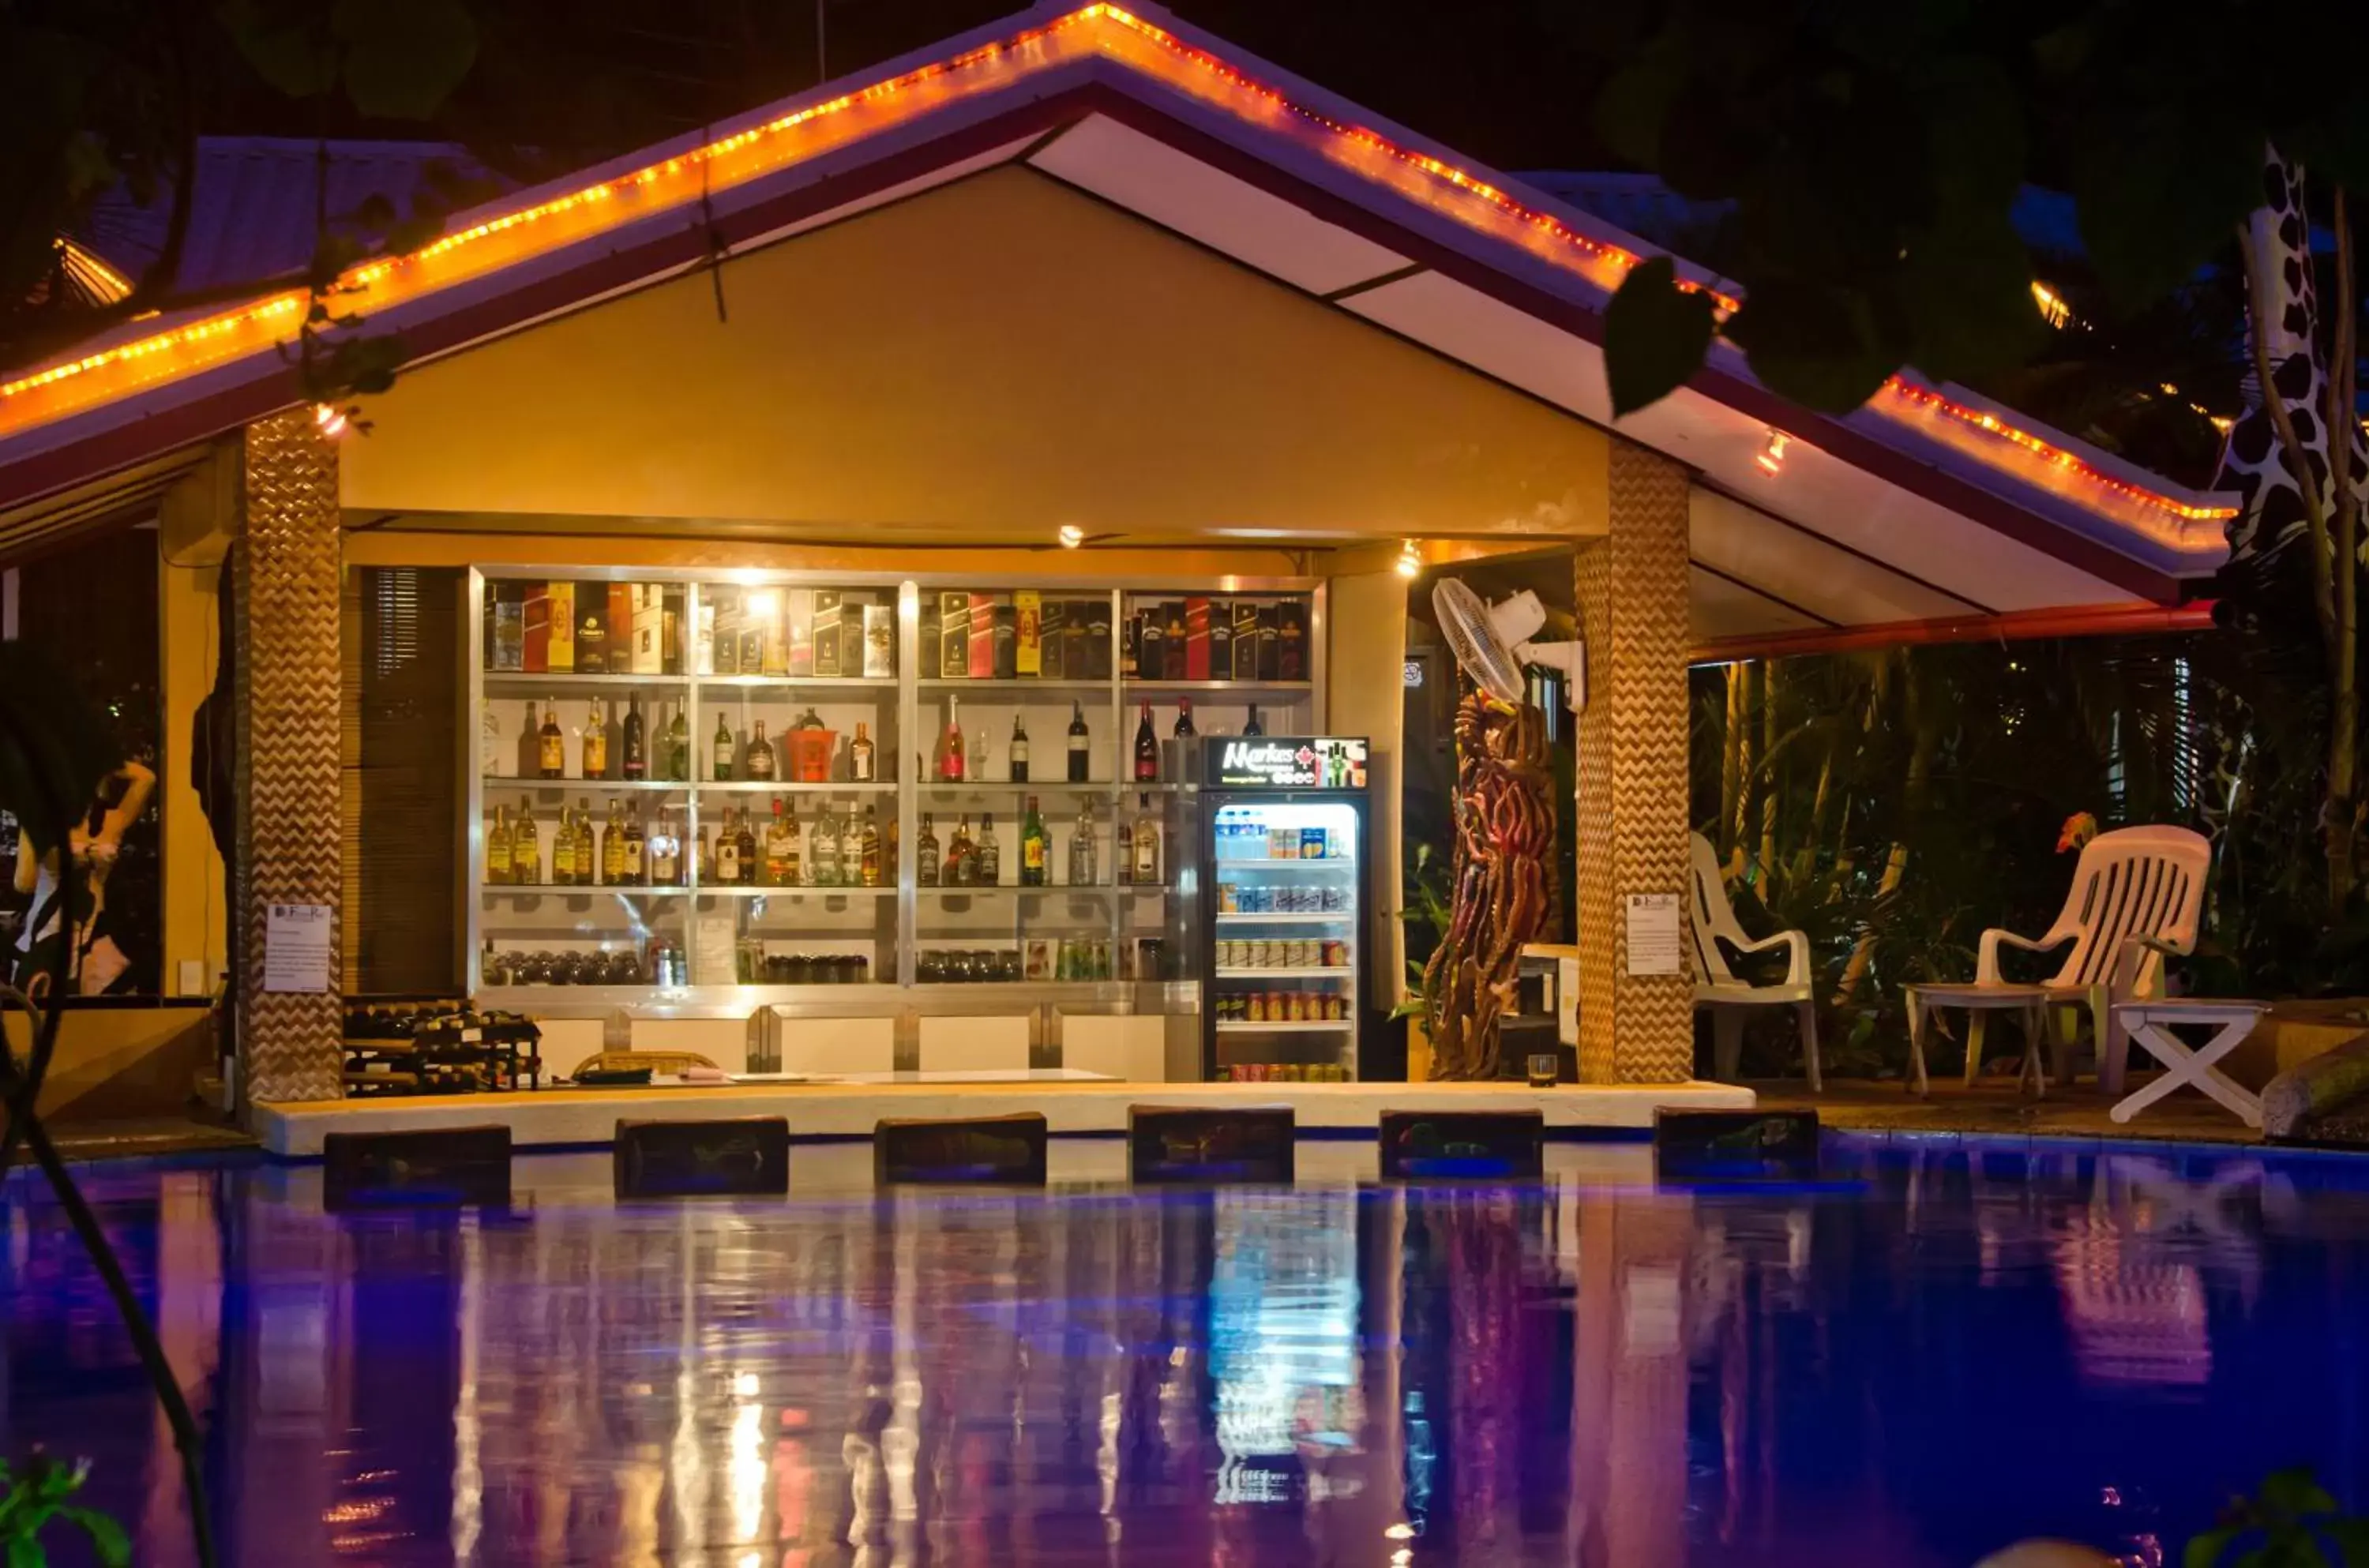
<point x="2136" y="898"/>
<point x="1717" y="987"/>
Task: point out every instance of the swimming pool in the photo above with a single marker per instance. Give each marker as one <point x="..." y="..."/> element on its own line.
<point x="1934" y="1349"/>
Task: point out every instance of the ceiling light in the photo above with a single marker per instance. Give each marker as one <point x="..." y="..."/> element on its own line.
<point x="1072" y="537"/>
<point x="1771" y="460"/>
<point x="330" y="419"/>
<point x="1410" y="560"/>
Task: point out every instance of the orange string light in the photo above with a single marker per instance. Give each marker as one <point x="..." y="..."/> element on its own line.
<point x="1350" y="140"/>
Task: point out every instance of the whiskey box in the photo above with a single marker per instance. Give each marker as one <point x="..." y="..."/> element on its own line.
<point x="879" y="639"/>
<point x="507" y="648"/>
<point x="799" y="629"/>
<point x="1151" y="644"/>
<point x="621" y="627"/>
<point x="535" y="645"/>
<point x="1028" y="650"/>
<point x="773" y="653"/>
<point x="727" y="633"/>
<point x="1131" y="642"/>
<point x="1172" y="644"/>
<point x="1051" y="623"/>
<point x="670" y="636"/>
<point x="1221" y="641"/>
<point x="591" y="629"/>
<point x="1006" y="632"/>
<point x="703" y="640"/>
<point x="1267" y="644"/>
<point x="559" y="642"/>
<point x="933" y="634"/>
<point x="954" y="636"/>
<point x="835" y="652"/>
<point x="649" y="629"/>
<point x="1291" y="640"/>
<point x="1096" y="612"/>
<point x="1197" y="639"/>
<point x="982" y="636"/>
<point x="1246" y="641"/>
<point x="758" y="613"/>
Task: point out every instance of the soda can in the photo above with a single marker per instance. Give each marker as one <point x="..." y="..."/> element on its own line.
<point x="1312" y="843"/>
<point x="1228" y="902"/>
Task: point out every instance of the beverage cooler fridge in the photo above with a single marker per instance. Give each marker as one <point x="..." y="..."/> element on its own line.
<point x="1278" y="829"/>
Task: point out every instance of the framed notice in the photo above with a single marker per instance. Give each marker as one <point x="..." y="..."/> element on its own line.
<point x="1654" y="943"/>
<point x="296" y="948"/>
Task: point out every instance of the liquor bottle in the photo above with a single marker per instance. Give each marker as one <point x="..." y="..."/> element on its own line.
<point x="925" y="849"/>
<point x="861" y="766"/>
<point x="1147" y="750"/>
<point x="702" y="857"/>
<point x="1123" y="847"/>
<point x="489" y="743"/>
<point x="677" y="746"/>
<point x="727" y="854"/>
<point x="1081" y="847"/>
<point x="869" y="850"/>
<point x="594" y="750"/>
<point x="828" y="850"/>
<point x="612" y="742"/>
<point x="637" y="746"/>
<point x="665" y="850"/>
<point x="744" y="843"/>
<point x="991" y="853"/>
<point x="1081" y="745"/>
<point x="962" y="861"/>
<point x="1184" y="730"/>
<point x="760" y="755"/>
<point x="1034" y="847"/>
<point x="1253" y="725"/>
<point x="613" y="846"/>
<point x="1146" y="844"/>
<point x="1017" y="755"/>
<point x="498" y="849"/>
<point x="950" y="760"/>
<point x="636" y="847"/>
<point x="563" y="851"/>
<point x="781" y="853"/>
<point x="979" y="766"/>
<point x="526" y="847"/>
<point x="721" y="769"/>
<point x="588" y="863"/>
<point x="528" y="760"/>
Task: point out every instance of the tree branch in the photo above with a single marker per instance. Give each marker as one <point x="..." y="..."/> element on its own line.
<point x="2299" y="462"/>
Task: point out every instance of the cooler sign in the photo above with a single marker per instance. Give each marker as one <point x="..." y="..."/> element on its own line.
<point x="1284" y="762"/>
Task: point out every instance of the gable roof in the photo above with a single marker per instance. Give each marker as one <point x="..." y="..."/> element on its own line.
<point x="1141" y="111"/>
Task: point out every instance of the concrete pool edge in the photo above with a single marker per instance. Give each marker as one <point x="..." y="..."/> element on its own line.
<point x="587" y="1117"/>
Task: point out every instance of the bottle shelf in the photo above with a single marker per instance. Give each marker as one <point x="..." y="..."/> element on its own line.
<point x="992" y="889"/>
<point x="580" y="891"/>
<point x="768" y="786"/>
<point x="495" y="783"/>
<point x="1010" y="683"/>
<point x="527" y="683"/>
<point x="802" y="683"/>
<point x="1258" y="689"/>
<point x="798" y="890"/>
<point x="1024" y="786"/>
<point x="1293" y="1026"/>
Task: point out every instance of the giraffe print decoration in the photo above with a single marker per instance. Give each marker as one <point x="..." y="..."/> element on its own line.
<point x="2272" y="511"/>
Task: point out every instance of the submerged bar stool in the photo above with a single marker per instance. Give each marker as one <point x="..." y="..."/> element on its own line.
<point x="423" y="1168"/>
<point x="728" y="1156"/>
<point x="1463" y="1145"/>
<point x="1198" y="1143"/>
<point x="989" y="1150"/>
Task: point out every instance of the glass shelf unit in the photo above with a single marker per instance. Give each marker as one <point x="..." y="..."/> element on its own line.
<point x="711" y="937"/>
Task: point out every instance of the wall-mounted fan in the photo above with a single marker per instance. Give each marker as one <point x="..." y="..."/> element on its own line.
<point x="1491" y="643"/>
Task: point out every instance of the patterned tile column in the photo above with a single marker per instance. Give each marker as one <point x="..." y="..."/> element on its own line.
<point x="1632" y="770"/>
<point x="288" y="563"/>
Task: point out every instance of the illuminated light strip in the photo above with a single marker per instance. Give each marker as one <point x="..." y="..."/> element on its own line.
<point x="390" y="272"/>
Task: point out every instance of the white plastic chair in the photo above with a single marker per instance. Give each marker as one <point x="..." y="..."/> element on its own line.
<point x="2137" y="896"/>
<point x="1730" y="999"/>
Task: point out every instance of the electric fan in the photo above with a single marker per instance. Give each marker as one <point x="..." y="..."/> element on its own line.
<point x="1491" y="643"/>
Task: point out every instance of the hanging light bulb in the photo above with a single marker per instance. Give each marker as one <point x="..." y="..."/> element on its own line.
<point x="1410" y="561"/>
<point x="1771" y="460"/>
<point x="330" y="419"/>
<point x="1072" y="537"/>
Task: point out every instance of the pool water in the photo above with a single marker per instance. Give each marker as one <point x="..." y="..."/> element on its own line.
<point x="1933" y="1350"/>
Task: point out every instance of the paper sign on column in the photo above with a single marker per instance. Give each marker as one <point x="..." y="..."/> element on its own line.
<point x="296" y="948"/>
<point x="1654" y="943"/>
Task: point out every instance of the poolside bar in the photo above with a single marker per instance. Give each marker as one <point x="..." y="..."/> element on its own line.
<point x="927" y="399"/>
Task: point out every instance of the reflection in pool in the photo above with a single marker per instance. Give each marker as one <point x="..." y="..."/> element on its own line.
<point x="1937" y="1349"/>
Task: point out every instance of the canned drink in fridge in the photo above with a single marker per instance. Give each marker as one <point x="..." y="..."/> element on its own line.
<point x="1303" y="954"/>
<point x="1334" y="955"/>
<point x="1254" y="1008"/>
<point x="1228" y="900"/>
<point x="1312" y="843"/>
<point x="1336" y="1008"/>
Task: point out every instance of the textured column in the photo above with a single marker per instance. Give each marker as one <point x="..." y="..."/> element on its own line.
<point x="287" y="565"/>
<point x="1632" y="771"/>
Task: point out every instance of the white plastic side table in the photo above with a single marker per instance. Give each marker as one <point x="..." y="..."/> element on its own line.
<point x="2149" y="1025"/>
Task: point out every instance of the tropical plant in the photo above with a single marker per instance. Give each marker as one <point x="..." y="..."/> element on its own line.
<point x="33" y="1496"/>
<point x="2292" y="1523"/>
<point x="1426" y="917"/>
<point x="54" y="750"/>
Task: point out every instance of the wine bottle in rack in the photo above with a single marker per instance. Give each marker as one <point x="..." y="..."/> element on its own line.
<point x="1080" y="744"/>
<point x="1147" y="750"/>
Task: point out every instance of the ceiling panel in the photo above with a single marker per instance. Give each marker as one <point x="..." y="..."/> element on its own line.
<point x="1804" y="568"/>
<point x="1718" y="609"/>
<point x="1153" y="181"/>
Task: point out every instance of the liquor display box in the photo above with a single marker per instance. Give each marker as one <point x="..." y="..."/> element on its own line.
<point x="742" y="789"/>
